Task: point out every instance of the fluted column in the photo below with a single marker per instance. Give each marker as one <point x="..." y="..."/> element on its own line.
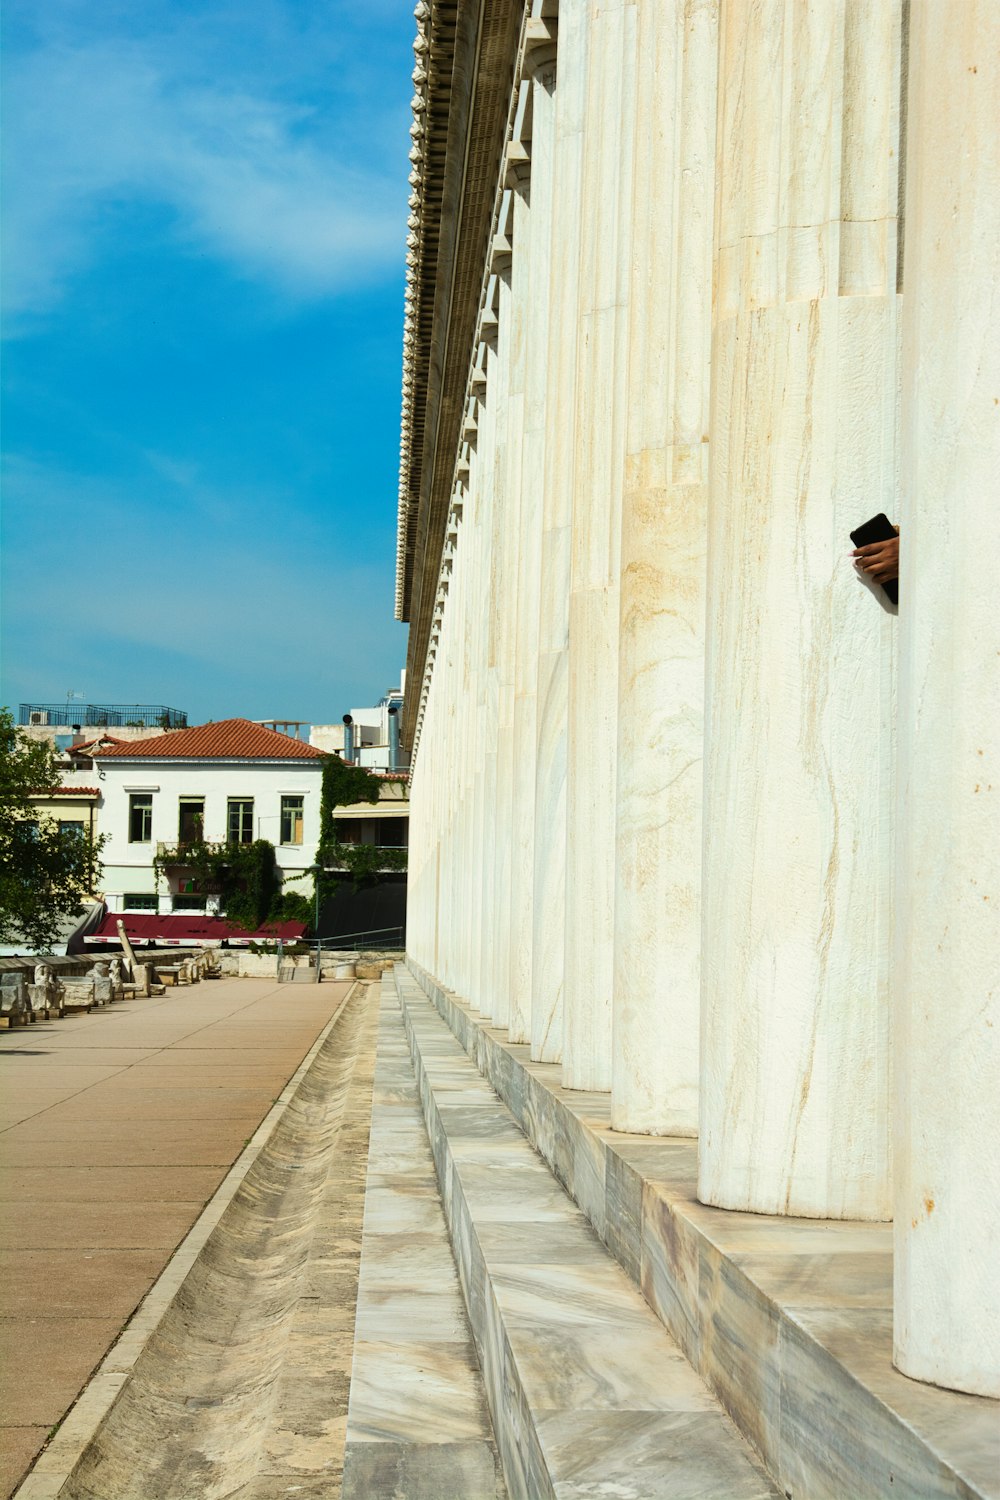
<point x="947" y="972"/>
<point x="474" y="529"/>
<point x="558" y="118"/>
<point x="486" y="476"/>
<point x="506" y="499"/>
<point x="532" y="236"/>
<point x="795" y="1059"/>
<point x="594" y="551"/>
<point x="664" y="528"/>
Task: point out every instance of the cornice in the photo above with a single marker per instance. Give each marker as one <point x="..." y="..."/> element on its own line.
<point x="512" y="43"/>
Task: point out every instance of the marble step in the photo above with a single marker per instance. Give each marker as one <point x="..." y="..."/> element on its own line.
<point x="589" y="1393"/>
<point x="418" y="1426"/>
<point x="788" y="1320"/>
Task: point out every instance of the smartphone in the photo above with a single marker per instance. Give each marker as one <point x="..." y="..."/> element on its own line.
<point x="878" y="529"/>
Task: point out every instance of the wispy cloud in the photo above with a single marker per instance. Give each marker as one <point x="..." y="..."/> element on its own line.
<point x="244" y="175"/>
<point x="108" y="581"/>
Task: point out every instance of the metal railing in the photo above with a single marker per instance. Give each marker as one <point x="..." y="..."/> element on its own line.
<point x="375" y="937"/>
<point x="103" y="715"/>
<point x="177" y="850"/>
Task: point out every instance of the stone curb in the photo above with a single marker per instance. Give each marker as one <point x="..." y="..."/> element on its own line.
<point x="56" y="1462"/>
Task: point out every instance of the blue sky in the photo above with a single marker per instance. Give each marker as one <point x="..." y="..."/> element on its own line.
<point x="204" y="226"/>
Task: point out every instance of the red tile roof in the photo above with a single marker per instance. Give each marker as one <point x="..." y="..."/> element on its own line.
<point x="70" y="791"/>
<point x="230" y="739"/>
<point x="188" y="928"/>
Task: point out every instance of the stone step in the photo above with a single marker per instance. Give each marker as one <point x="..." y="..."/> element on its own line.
<point x="418" y="1426"/>
<point x="589" y="1393"/>
<point x="788" y="1320"/>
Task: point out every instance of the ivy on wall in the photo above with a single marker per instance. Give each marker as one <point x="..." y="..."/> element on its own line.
<point x="366" y="862"/>
<point x="244" y="876"/>
<point x="345" y="785"/>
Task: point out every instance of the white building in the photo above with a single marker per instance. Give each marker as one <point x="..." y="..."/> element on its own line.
<point x="368" y="732"/>
<point x="233" y="782"/>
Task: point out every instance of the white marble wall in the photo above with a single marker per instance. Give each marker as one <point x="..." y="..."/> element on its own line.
<point x="691" y="391"/>
<point x="947" y="971"/>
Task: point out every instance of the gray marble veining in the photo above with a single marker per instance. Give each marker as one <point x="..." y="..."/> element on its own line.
<point x="590" y="1396"/>
<point x="418" y="1425"/>
<point x="787" y="1319"/>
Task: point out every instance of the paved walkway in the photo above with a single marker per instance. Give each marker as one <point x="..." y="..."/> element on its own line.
<point x="115" y="1130"/>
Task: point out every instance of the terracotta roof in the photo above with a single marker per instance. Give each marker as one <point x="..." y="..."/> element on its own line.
<point x="70" y="791"/>
<point x="230" y="739"/>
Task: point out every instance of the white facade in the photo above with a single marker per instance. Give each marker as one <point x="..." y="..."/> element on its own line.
<point x="128" y="862"/>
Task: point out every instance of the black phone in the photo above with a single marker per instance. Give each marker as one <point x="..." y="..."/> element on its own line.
<point x="878" y="529"/>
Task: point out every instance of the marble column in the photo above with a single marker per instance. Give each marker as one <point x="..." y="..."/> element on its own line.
<point x="532" y="233"/>
<point x="507" y="499"/>
<point x="475" y="531"/>
<point x="558" y="118"/>
<point x="947" y="969"/>
<point x="655" y="1002"/>
<point x="594" y="548"/>
<point x="485" y="872"/>
<point x="798" y="784"/>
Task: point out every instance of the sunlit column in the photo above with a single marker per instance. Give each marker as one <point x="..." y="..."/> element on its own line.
<point x="947" y="973"/>
<point x="599" y="439"/>
<point x="531" y="289"/>
<point x="664" y="528"/>
<point x="558" y="139"/>
<point x="798" y="784"/>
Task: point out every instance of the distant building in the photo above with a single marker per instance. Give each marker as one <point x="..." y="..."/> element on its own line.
<point x="228" y="783"/>
<point x="69" y="723"/>
<point x="367" y="734"/>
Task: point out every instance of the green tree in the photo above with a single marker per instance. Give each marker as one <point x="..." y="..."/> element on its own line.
<point x="44" y="874"/>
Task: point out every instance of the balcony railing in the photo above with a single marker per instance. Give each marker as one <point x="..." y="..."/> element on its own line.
<point x="104" y="715"/>
<point x="178" y="852"/>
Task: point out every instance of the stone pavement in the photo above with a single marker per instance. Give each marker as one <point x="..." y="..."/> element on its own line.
<point x="115" y="1129"/>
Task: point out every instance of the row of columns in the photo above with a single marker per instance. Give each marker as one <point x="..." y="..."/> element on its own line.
<point x="673" y="822"/>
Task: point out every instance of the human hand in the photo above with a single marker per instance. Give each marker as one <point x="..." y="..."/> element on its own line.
<point x="879" y="560"/>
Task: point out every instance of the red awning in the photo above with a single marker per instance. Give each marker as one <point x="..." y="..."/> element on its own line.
<point x="189" y="931"/>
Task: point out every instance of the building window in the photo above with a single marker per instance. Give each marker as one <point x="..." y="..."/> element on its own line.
<point x="188" y="903"/>
<point x="139" y="901"/>
<point x="291" y="820"/>
<point x="140" y="818"/>
<point x="191" y="820"/>
<point x="393" y="833"/>
<point x="72" y="827"/>
<point x="240" y="821"/>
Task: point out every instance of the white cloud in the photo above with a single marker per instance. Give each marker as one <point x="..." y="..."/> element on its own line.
<point x="253" y="181"/>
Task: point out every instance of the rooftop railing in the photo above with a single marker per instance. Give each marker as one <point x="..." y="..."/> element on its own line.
<point x="104" y="715"/>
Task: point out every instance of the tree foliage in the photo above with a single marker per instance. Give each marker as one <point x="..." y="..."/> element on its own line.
<point x="44" y="873"/>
